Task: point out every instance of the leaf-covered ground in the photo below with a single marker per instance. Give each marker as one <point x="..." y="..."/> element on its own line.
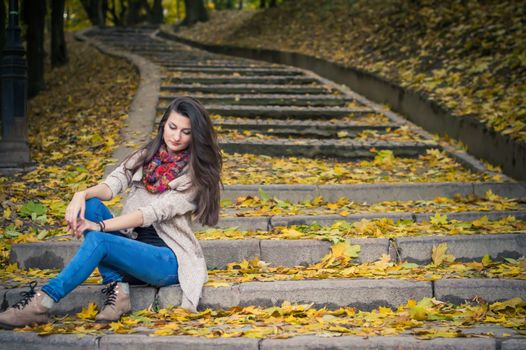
<point x="377" y="228"/>
<point x="362" y="119"/>
<point x="400" y="134"/>
<point x="470" y="56"/>
<point x="434" y="166"/>
<point x="266" y="206"/>
<point x="425" y="319"/>
<point x="74" y="126"/>
<point x="338" y="263"/>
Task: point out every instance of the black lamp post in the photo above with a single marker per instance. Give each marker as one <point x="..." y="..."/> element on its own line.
<point x="14" y="150"/>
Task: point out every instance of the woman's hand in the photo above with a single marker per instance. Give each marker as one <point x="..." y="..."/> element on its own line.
<point x="74" y="210"/>
<point x="85" y="225"/>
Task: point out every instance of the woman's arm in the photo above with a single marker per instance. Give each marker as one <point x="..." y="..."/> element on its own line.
<point x="130" y="220"/>
<point x="100" y="191"/>
<point x="77" y="205"/>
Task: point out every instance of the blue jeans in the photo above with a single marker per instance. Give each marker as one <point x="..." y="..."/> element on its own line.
<point x="116" y="256"/>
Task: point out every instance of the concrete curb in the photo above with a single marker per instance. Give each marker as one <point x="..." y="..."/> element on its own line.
<point x="503" y="150"/>
<point x="491" y="290"/>
<point x="417" y="217"/>
<point x="373" y="193"/>
<point x="324" y="148"/>
<point x="10" y="340"/>
<point x="364" y="294"/>
<point x="463" y="247"/>
<point x="141" y="115"/>
<point x="218" y="253"/>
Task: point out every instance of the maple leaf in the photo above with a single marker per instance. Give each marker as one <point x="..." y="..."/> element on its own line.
<point x="439" y="255"/>
<point x="88" y="313"/>
<point x="438" y="219"/>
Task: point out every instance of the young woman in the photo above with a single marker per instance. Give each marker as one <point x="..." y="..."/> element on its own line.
<point x="174" y="176"/>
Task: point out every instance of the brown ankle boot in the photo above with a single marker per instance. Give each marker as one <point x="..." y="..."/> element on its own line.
<point x="32" y="308"/>
<point x="117" y="302"/>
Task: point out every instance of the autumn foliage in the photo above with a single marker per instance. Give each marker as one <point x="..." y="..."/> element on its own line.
<point x="468" y="55"/>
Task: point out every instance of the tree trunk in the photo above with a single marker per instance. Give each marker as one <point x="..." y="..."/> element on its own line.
<point x="262" y="4"/>
<point x="34" y="15"/>
<point x="133" y="15"/>
<point x="273" y="3"/>
<point x="92" y="10"/>
<point x="118" y="18"/>
<point x="58" y="42"/>
<point x="157" y="16"/>
<point x="240" y="7"/>
<point x="229" y="4"/>
<point x="217" y="4"/>
<point x="195" y="12"/>
<point x="102" y="9"/>
<point x="3" y="17"/>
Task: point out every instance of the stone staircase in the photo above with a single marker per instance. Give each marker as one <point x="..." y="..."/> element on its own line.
<point x="271" y="110"/>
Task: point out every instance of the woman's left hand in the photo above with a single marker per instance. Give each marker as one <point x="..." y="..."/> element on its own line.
<point x="85" y="225"/>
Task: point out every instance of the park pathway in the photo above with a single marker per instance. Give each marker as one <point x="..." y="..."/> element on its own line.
<point x="263" y="112"/>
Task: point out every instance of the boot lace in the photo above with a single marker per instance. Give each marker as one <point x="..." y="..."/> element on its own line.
<point x="26" y="296"/>
<point x="111" y="295"/>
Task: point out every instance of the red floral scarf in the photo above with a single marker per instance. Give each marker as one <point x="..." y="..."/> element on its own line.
<point x="163" y="168"/>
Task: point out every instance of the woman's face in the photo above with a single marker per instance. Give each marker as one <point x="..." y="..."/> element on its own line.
<point x="177" y="132"/>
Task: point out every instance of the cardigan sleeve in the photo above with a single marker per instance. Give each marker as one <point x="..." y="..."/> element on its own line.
<point x="120" y="178"/>
<point x="168" y="206"/>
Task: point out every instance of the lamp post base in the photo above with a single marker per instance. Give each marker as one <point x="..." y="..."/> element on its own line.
<point x="14" y="157"/>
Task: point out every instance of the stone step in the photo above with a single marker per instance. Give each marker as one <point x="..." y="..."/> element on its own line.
<point x="287" y="111"/>
<point x="284" y="112"/>
<point x="267" y="222"/>
<point x="219" y="253"/>
<point x="251" y="71"/>
<point x="147" y="50"/>
<point x="220" y="64"/>
<point x="305" y="130"/>
<point x="31" y="341"/>
<point x="364" y="294"/>
<point x="374" y="193"/>
<point x="229" y="79"/>
<point x="266" y="100"/>
<point x="246" y="88"/>
<point x="340" y="149"/>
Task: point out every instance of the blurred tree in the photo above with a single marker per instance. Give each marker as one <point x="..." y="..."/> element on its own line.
<point x="133" y="14"/>
<point x="195" y="12"/>
<point x="33" y="15"/>
<point x="3" y="24"/>
<point x="223" y="4"/>
<point x="58" y="42"/>
<point x="156" y="12"/>
<point x="3" y="17"/>
<point x="96" y="11"/>
<point x="117" y="12"/>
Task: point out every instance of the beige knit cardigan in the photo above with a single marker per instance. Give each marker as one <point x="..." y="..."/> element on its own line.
<point x="170" y="213"/>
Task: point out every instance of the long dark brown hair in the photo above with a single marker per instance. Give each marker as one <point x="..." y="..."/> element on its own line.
<point x="205" y="156"/>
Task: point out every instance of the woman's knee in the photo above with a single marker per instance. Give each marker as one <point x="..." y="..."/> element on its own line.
<point x="92" y="208"/>
<point x="94" y="236"/>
